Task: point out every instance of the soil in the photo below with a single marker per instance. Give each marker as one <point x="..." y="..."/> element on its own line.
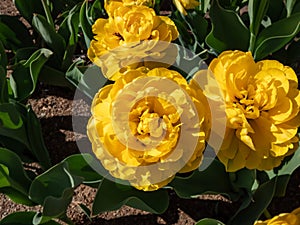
<point x="55" y="106"/>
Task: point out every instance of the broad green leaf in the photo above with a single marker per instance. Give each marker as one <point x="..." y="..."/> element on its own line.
<point x="17" y="196"/>
<point x="25" y="218"/>
<point x="86" y="23"/>
<point x="36" y="140"/>
<point x="111" y="196"/>
<point x="24" y="53"/>
<point x="47" y="9"/>
<point x="228" y="30"/>
<point x="14" y="181"/>
<point x="73" y="27"/>
<point x="55" y="42"/>
<point x="3" y="57"/>
<point x="288" y="167"/>
<point x="3" y="85"/>
<point x="12" y="124"/>
<point x="40" y="219"/>
<point x="25" y="75"/>
<point x="21" y="32"/>
<point x="82" y="165"/>
<point x="289" y="6"/>
<point x="296" y="8"/>
<point x="276" y="36"/>
<point x="208" y="221"/>
<point x="97" y="10"/>
<point x="4" y="173"/>
<point x="17" y="177"/>
<point x="57" y="206"/>
<point x="74" y="75"/>
<point x="256" y="10"/>
<point x="243" y="178"/>
<point x="214" y="179"/>
<point x="261" y="199"/>
<point x="52" y="76"/>
<point x="28" y="7"/>
<point x="276" y="10"/>
<point x="53" y="183"/>
<point x="86" y="211"/>
<point x="199" y="25"/>
<point x="204" y="5"/>
<point x="91" y="81"/>
<point x="293" y="51"/>
<point x="8" y="37"/>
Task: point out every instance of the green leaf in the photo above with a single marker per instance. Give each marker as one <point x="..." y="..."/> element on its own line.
<point x="111" y="196"/>
<point x="288" y="167"/>
<point x="17" y="177"/>
<point x="276" y="10"/>
<point x="57" y="206"/>
<point x="52" y="76"/>
<point x="257" y="10"/>
<point x="55" y="42"/>
<point x="25" y="218"/>
<point x="228" y="31"/>
<point x="28" y="7"/>
<point x="293" y="51"/>
<point x="25" y="75"/>
<point x="86" y="211"/>
<point x="14" y="181"/>
<point x="73" y="27"/>
<point x="97" y="10"/>
<point x="53" y="183"/>
<point x="17" y="196"/>
<point x="21" y="32"/>
<point x="74" y="75"/>
<point x="208" y="221"/>
<point x="82" y="165"/>
<point x="289" y="6"/>
<point x="199" y="25"/>
<point x="86" y="23"/>
<point x="91" y="81"/>
<point x="3" y="57"/>
<point x="8" y="37"/>
<point x="3" y="85"/>
<point x="24" y="53"/>
<point x="276" y="36"/>
<point x="243" y="178"/>
<point x="36" y="140"/>
<point x="261" y="199"/>
<point x="214" y="179"/>
<point x="12" y="124"/>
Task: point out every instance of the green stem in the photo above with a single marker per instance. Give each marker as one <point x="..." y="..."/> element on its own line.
<point x="267" y="214"/>
<point x="252" y="43"/>
<point x="48" y="13"/>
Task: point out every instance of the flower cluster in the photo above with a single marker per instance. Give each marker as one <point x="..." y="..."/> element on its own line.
<point x="151" y="123"/>
<point x="262" y="109"/>
<point x="132" y="33"/>
<point x="292" y="218"/>
<point x="147" y="126"/>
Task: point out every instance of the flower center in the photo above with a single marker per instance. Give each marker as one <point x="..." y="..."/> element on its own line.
<point x="150" y="124"/>
<point x="245" y="102"/>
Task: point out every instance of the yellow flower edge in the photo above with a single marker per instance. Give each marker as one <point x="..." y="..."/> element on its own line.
<point x="143" y="130"/>
<point x="262" y="108"/>
<point x="111" y="5"/>
<point x="183" y="5"/>
<point x="128" y="36"/>
<point x="292" y="218"/>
